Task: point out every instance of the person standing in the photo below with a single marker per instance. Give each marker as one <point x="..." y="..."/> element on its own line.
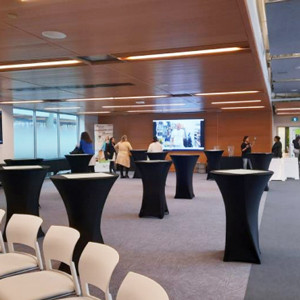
<point x="277" y="147"/>
<point x="86" y="145"/>
<point x="155" y="146"/>
<point x="246" y="148"/>
<point x="110" y="153"/>
<point x="296" y="144"/>
<point x="123" y="155"/>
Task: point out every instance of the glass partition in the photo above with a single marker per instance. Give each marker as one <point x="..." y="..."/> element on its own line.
<point x="23" y="133"/>
<point x="67" y="133"/>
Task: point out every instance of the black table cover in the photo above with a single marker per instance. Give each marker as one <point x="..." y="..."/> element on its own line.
<point x="184" y="165"/>
<point x="138" y="155"/>
<point x="213" y="161"/>
<point x="22" y="186"/>
<point x="261" y="161"/>
<point x="84" y="196"/>
<point x="79" y="163"/>
<point x="231" y="162"/>
<point x="24" y="161"/>
<point x="242" y="191"/>
<point x="154" y="175"/>
<point x="157" y="155"/>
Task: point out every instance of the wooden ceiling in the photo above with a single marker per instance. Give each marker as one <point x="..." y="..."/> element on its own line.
<point x="96" y="27"/>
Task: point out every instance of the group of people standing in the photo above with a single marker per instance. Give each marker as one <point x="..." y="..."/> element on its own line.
<point x="246" y="148"/>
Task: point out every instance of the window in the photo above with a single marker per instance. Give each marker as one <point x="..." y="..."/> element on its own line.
<point x="23" y="133"/>
<point x="67" y="133"/>
<point x="43" y="134"/>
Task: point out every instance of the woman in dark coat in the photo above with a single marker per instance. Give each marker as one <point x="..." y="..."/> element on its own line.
<point x="277" y="147"/>
<point x="110" y="154"/>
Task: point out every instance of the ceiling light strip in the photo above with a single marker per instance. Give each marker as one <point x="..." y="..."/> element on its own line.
<point x="40" y="64"/>
<point x="22" y="102"/>
<point x="244" y="107"/>
<point x="117" y="98"/>
<point x="234" y="102"/>
<point x="288" y="108"/>
<point x="62" y="108"/>
<point x="93" y="112"/>
<point x="182" y="53"/>
<point x="142" y="105"/>
<point x="226" y="93"/>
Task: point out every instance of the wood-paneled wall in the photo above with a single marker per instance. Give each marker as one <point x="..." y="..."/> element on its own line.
<point x="221" y="129"/>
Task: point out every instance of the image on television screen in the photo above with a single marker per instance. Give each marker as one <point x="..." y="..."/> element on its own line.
<point x="185" y="134"/>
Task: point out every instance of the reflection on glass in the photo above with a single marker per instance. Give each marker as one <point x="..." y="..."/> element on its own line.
<point x="46" y="130"/>
<point x="23" y="133"/>
<point x="68" y="133"/>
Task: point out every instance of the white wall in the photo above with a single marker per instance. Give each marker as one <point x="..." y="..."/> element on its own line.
<point x="7" y="148"/>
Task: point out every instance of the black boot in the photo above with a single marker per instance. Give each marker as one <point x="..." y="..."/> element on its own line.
<point x="126" y="172"/>
<point x="121" y="171"/>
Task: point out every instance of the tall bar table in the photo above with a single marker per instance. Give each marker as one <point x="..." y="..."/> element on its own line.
<point x="184" y="165"/>
<point x="213" y="161"/>
<point x="157" y="155"/>
<point x="23" y="161"/>
<point x="154" y="175"/>
<point x="138" y="155"/>
<point x="79" y="163"/>
<point x="242" y="190"/>
<point x="261" y="161"/>
<point x="84" y="196"/>
<point x="22" y="187"/>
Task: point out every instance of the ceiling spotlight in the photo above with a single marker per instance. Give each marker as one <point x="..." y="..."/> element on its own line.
<point x="55" y="35"/>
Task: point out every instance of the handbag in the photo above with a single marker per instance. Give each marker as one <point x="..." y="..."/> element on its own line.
<point x="77" y="150"/>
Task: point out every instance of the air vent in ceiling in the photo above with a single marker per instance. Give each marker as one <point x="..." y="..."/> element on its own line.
<point x="93" y="59"/>
<point x="66" y="87"/>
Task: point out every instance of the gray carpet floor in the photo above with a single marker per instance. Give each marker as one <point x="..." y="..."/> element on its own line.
<point x="278" y="277"/>
<point x="183" y="252"/>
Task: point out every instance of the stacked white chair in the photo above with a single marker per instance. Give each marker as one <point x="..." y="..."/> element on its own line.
<point x="2" y="249"/>
<point x="59" y="244"/>
<point x="139" y="287"/>
<point x="21" y="229"/>
<point x="96" y="265"/>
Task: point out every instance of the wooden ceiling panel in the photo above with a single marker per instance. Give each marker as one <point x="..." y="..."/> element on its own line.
<point x="130" y="25"/>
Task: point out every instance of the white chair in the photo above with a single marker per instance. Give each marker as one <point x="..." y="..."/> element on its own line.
<point x="96" y="265"/>
<point x="139" y="287"/>
<point x="2" y="214"/>
<point x="59" y="244"/>
<point x="21" y="229"/>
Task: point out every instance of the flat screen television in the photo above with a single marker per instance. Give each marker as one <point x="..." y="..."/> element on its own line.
<point x="1" y="136"/>
<point x="181" y="134"/>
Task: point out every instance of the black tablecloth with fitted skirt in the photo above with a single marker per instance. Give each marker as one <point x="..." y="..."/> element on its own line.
<point x="154" y="175"/>
<point x="22" y="187"/>
<point x="213" y="161"/>
<point x="79" y="163"/>
<point x="138" y="155"/>
<point x="24" y="161"/>
<point x="157" y="155"/>
<point x="84" y="196"/>
<point x="184" y="165"/>
<point x="261" y="161"/>
<point x="242" y="190"/>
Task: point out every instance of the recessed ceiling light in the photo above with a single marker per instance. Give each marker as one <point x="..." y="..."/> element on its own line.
<point x="117" y="98"/>
<point x="294" y="90"/>
<point x="288" y="108"/>
<point x="146" y="105"/>
<point x="243" y="107"/>
<point x="62" y="108"/>
<point x="233" y="102"/>
<point x="21" y="102"/>
<point x="288" y="113"/>
<point x="226" y="93"/>
<point x="182" y="53"/>
<point x="140" y="102"/>
<point x="41" y="64"/>
<point x="183" y="110"/>
<point x="55" y="35"/>
<point x="93" y="112"/>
